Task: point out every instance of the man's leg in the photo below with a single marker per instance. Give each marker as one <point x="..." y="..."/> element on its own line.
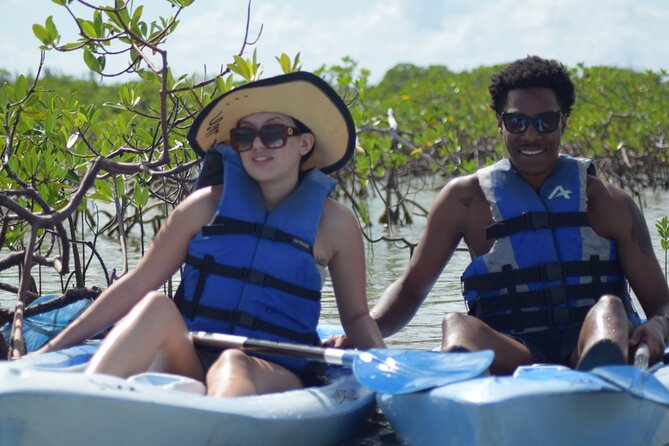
<point x="604" y="335"/>
<point x="463" y="331"/>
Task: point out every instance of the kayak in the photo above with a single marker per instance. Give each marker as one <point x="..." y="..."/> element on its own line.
<point x="45" y="399"/>
<point x="540" y="404"/>
<point x="48" y="315"/>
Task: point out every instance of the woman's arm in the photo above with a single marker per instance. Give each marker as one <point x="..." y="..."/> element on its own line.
<point x="163" y="258"/>
<point x="339" y="244"/>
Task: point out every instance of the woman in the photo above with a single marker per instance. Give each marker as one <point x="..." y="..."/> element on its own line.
<point x="255" y="248"/>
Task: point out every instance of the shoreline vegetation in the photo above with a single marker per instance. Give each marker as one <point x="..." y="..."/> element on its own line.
<point x="82" y="159"/>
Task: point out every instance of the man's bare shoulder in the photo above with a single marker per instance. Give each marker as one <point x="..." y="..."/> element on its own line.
<point x="604" y="197"/>
<point x="611" y="210"/>
<point x="460" y="194"/>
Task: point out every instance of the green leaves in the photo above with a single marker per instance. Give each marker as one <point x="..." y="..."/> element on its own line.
<point x="47" y="34"/>
<point x="288" y="66"/>
<point x="662" y="226"/>
<point x="94" y="63"/>
<point x="249" y="69"/>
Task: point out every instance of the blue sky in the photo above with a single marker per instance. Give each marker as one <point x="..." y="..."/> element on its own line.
<point x="378" y="34"/>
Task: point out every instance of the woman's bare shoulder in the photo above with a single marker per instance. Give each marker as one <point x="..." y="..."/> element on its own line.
<point x="337" y="217"/>
<point x="199" y="208"/>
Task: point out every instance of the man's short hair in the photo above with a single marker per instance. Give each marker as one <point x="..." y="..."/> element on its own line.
<point x="532" y="72"/>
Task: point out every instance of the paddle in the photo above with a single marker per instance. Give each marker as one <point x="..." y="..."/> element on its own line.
<point x="638" y="380"/>
<point x="381" y="370"/>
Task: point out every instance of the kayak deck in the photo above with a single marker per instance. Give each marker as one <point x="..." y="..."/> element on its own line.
<point x="546" y="405"/>
<point x="44" y="399"/>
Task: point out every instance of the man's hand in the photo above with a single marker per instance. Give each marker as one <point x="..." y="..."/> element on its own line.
<point x="653" y="332"/>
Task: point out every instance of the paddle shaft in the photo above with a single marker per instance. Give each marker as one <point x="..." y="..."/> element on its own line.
<point x="642" y="356"/>
<point x="333" y="356"/>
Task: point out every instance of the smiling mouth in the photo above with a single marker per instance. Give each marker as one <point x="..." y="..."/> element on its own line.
<point x="260" y="159"/>
<point x="532" y="151"/>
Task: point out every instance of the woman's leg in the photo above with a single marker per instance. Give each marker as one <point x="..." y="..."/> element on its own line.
<point x="153" y="335"/>
<point x="463" y="331"/>
<point x="236" y="374"/>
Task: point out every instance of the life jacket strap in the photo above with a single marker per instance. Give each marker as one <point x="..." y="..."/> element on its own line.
<point x="255" y="277"/>
<point x="226" y="226"/>
<point x="547" y="272"/>
<point x="249" y="321"/>
<point x="547" y="297"/>
<point x="536" y="220"/>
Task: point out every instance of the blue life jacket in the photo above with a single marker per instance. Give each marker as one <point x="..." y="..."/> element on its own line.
<point x="547" y="266"/>
<point x="252" y="272"/>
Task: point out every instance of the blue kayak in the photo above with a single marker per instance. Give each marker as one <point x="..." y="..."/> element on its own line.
<point x="538" y="405"/>
<point x="45" y="399"/>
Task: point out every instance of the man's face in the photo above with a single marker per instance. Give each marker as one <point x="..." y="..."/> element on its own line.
<point x="533" y="153"/>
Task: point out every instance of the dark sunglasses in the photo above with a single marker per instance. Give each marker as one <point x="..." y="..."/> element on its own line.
<point x="273" y="136"/>
<point x="546" y="122"/>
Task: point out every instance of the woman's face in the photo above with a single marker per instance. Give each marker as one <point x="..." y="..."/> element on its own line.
<point x="265" y="163"/>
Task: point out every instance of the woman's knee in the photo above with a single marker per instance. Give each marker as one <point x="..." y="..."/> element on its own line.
<point x="155" y="302"/>
<point x="229" y="362"/>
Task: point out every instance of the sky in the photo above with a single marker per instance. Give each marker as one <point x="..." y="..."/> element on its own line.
<point x="378" y="34"/>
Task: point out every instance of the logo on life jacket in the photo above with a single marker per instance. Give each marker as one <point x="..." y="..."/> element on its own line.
<point x="560" y="191"/>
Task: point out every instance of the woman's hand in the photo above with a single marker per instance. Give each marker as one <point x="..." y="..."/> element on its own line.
<point x="338" y="341"/>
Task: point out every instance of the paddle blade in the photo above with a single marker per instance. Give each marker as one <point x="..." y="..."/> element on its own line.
<point x="640" y="383"/>
<point x="404" y="371"/>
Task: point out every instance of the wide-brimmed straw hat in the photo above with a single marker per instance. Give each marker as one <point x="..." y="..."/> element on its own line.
<point x="300" y="95"/>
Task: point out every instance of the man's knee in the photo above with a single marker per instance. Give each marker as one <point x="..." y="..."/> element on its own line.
<point x="456" y="322"/>
<point x="610" y="303"/>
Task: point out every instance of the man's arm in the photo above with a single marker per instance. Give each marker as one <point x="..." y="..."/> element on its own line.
<point x="614" y="214"/>
<point x="443" y="232"/>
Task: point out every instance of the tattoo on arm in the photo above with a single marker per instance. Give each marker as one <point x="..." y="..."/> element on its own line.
<point x="639" y="232"/>
<point x="466" y="202"/>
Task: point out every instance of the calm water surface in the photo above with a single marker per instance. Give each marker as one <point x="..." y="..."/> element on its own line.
<point x="385" y="263"/>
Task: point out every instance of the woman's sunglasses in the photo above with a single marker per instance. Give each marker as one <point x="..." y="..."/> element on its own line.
<point x="546" y="122"/>
<point x="273" y="136"/>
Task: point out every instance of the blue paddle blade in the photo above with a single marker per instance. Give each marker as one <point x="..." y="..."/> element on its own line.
<point x="635" y="381"/>
<point x="405" y="371"/>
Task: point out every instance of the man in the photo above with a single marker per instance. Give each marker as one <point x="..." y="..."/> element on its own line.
<point x="552" y="245"/>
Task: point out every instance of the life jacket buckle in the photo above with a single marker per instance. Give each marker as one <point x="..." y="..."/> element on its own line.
<point x="253" y="276"/>
<point x="555" y="296"/>
<point x="559" y="317"/>
<point x="265" y="232"/>
<point x="550" y="272"/>
<point x="535" y="220"/>
<point x="245" y="320"/>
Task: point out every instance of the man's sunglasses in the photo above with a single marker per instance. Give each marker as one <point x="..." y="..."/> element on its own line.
<point x="273" y="136"/>
<point x="546" y="122"/>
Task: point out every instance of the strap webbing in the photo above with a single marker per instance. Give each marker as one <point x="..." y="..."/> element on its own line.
<point x="246" y="320"/>
<point x="543" y="273"/>
<point x="255" y="277"/>
<point x="548" y="297"/>
<point x="226" y="225"/>
<point x="536" y="220"/>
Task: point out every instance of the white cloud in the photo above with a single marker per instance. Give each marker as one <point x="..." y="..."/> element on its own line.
<point x="378" y="34"/>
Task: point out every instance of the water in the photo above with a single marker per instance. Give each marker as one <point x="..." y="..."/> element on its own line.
<point x="385" y="263"/>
